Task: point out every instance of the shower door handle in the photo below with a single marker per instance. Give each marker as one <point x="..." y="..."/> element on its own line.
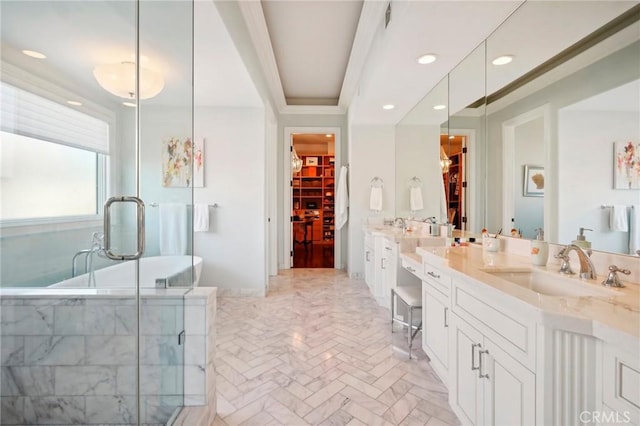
<point x="140" y="225"/>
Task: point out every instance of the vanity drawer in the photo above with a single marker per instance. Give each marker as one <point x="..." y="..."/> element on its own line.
<point x="413" y="267"/>
<point x="515" y="337"/>
<point x="437" y="278"/>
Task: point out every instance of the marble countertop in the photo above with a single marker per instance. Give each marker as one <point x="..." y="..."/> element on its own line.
<point x="396" y="235"/>
<point x="618" y="310"/>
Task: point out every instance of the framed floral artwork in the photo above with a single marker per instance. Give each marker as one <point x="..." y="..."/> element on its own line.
<point x="183" y="163"/>
<point x="626" y="158"/>
<point x="533" y="181"/>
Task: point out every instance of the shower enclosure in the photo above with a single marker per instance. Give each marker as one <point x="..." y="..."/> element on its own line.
<point x="97" y="131"/>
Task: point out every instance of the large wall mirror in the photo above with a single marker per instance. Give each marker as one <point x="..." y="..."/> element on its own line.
<point x="548" y="128"/>
<point x="559" y="116"/>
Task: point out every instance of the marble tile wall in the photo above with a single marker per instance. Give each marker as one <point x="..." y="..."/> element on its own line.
<point x="73" y="360"/>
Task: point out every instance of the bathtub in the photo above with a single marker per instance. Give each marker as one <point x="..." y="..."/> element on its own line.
<point x="121" y="275"/>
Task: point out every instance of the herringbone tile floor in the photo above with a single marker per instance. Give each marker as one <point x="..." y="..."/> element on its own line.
<point x="318" y="350"/>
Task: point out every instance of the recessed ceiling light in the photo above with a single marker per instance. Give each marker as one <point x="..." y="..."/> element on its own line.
<point x="439" y="107"/>
<point x="129" y="104"/>
<point x="452" y="137"/>
<point x="34" y="54"/>
<point x="74" y="103"/>
<point x="328" y="135"/>
<point x="388" y="106"/>
<point x="426" y="59"/>
<point x="502" y="60"/>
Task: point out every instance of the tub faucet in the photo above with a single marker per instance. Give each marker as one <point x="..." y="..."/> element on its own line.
<point x="587" y="269"/>
<point x="97" y="247"/>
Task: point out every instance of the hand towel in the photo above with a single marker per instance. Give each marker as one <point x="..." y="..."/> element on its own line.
<point x="415" y="198"/>
<point x="173" y="229"/>
<point x="375" y="199"/>
<point x="634" y="229"/>
<point x="618" y="218"/>
<point x="342" y="199"/>
<point x="200" y="217"/>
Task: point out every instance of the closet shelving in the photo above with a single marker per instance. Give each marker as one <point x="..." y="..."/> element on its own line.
<point x="314" y="195"/>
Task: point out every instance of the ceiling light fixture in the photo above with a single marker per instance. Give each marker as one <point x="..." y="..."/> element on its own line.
<point x="445" y="161"/>
<point x="328" y="135"/>
<point x="388" y="106"/>
<point x="34" y="54"/>
<point x="502" y="60"/>
<point x="439" y="107"/>
<point x="426" y="59"/>
<point x="296" y="162"/>
<point x="120" y="80"/>
<point x="129" y="104"/>
<point x="74" y="103"/>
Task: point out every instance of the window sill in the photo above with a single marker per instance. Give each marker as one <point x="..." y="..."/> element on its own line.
<point x="20" y="227"/>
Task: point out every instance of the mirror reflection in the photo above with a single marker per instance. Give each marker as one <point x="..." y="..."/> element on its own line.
<point x="554" y="142"/>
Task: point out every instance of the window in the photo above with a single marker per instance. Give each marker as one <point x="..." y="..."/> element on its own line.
<point x="41" y="179"/>
<point x="53" y="159"/>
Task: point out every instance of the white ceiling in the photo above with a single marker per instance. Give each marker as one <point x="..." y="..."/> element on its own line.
<point x="318" y="50"/>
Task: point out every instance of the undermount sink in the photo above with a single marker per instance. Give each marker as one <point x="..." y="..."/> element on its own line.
<point x="552" y="285"/>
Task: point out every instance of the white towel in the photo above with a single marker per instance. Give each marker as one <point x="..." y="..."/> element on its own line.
<point x="618" y="218"/>
<point x="634" y="229"/>
<point x="342" y="199"/>
<point x="200" y="217"/>
<point x="173" y="229"/>
<point x="415" y="198"/>
<point x="375" y="200"/>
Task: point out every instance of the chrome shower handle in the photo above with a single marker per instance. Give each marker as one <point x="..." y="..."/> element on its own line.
<point x="140" y="226"/>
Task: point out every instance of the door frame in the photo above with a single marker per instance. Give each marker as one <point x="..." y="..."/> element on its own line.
<point x="287" y="191"/>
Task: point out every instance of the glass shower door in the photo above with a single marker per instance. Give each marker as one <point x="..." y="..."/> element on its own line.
<point x="86" y="338"/>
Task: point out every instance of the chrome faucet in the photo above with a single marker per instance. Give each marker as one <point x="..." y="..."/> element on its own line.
<point x="401" y="221"/>
<point x="587" y="269"/>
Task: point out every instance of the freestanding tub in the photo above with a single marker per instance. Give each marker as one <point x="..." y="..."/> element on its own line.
<point x="122" y="275"/>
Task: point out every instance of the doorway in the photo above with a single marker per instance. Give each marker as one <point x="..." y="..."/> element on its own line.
<point x="453" y="149"/>
<point x="313" y="200"/>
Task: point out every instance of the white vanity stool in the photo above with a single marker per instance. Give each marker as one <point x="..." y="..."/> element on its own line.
<point x="412" y="297"/>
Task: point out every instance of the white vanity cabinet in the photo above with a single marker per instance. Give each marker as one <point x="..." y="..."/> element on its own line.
<point x="488" y="386"/>
<point x="369" y="259"/>
<point x="436" y="311"/>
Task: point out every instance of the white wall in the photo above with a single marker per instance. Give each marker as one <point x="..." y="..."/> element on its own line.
<point x="235" y="171"/>
<point x="580" y="205"/>
<point x="371" y="153"/>
<point x="235" y="168"/>
<point x="529" y="149"/>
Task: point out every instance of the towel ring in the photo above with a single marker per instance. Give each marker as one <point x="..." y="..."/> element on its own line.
<point x="377" y="182"/>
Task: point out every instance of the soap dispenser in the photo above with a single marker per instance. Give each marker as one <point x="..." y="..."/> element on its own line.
<point x="539" y="249"/>
<point x="581" y="241"/>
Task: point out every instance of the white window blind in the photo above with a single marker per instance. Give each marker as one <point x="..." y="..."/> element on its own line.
<point x="27" y="114"/>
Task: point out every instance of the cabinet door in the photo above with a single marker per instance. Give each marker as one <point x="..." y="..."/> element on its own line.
<point x="509" y="389"/>
<point x="369" y="273"/>
<point x="465" y="392"/>
<point x="436" y="329"/>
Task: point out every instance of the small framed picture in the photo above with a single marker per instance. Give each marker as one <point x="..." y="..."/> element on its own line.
<point x="311" y="161"/>
<point x="533" y="181"/>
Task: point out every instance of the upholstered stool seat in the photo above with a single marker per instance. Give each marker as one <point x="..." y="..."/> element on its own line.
<point x="411" y="296"/>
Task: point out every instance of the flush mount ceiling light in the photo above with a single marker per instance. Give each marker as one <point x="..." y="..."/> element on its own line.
<point x="439" y="107"/>
<point x="426" y="59"/>
<point x="502" y="60"/>
<point x="388" y="106"/>
<point x="120" y="80"/>
<point x="34" y="54"/>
